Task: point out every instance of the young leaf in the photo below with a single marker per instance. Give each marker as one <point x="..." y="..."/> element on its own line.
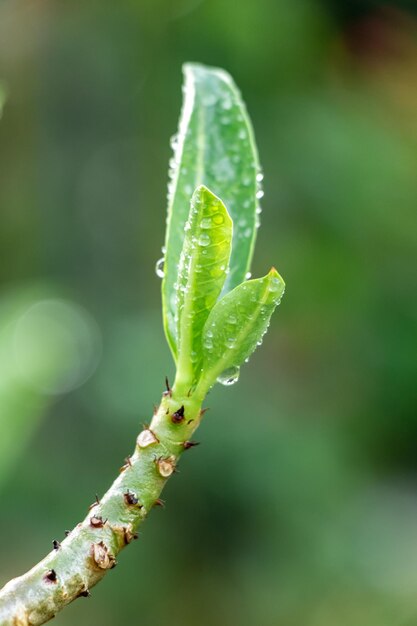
<point x="215" y="147"/>
<point x="237" y="324"/>
<point x="201" y="275"/>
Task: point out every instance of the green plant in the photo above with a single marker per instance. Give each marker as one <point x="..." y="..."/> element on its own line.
<point x="214" y="317"/>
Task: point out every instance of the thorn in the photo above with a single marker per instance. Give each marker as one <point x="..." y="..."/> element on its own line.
<point x="166" y="466"/>
<point x="178" y="416"/>
<point x="146" y="438"/>
<point x="101" y="556"/>
<point x="84" y="594"/>
<point x="56" y="544"/>
<point x="128" y="535"/>
<point x="203" y="411"/>
<point x="131" y="499"/>
<point x="189" y="422"/>
<point x="67" y="532"/>
<point x="190" y="444"/>
<point x="97" y="501"/>
<point x="50" y="576"/>
<point x="160" y="502"/>
<point x="168" y="391"/>
<point x="155" y="409"/>
<point x="127" y="464"/>
<point x="97" y="522"/>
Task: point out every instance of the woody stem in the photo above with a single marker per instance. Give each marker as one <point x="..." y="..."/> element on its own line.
<point x="74" y="566"/>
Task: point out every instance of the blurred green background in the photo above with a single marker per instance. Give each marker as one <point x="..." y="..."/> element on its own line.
<point x="300" y="507"/>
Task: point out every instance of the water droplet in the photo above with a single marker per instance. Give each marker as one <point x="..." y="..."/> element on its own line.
<point x="242" y="133"/>
<point x="227" y="104"/>
<point x="218" y="218"/>
<point x="206" y="222"/>
<point x="187" y="226"/>
<point x="259" y="177"/>
<point x="208" y="344"/>
<point x="204" y="239"/>
<point x="232" y="319"/>
<point x="209" y="334"/>
<point x="159" y="268"/>
<point x="275" y="284"/>
<point x="260" y="194"/>
<point x="229" y="376"/>
<point x="248" y="275"/>
<point x="230" y="342"/>
<point x="174" y="142"/>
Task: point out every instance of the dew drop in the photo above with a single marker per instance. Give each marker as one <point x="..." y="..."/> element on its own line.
<point x="275" y="284"/>
<point x="260" y="194"/>
<point x="159" y="268"/>
<point x="206" y="222"/>
<point x="218" y="218"/>
<point x="259" y="177"/>
<point x="230" y="342"/>
<point x="229" y="376"/>
<point x="232" y="319"/>
<point x="248" y="275"/>
<point x="204" y="239"/>
<point x="208" y="344"/>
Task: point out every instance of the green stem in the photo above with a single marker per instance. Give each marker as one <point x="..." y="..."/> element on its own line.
<point x="90" y="550"/>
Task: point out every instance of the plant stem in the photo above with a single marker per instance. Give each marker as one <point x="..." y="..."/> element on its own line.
<point x="90" y="550"/>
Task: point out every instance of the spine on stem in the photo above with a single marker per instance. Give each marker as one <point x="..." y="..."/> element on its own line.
<point x="86" y="554"/>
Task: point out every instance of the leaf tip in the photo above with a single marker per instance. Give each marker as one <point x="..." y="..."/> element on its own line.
<point x="273" y="274"/>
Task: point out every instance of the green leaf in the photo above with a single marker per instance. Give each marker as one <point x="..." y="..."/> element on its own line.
<point x="237" y="324"/>
<point x="202" y="271"/>
<point x="215" y="147"/>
